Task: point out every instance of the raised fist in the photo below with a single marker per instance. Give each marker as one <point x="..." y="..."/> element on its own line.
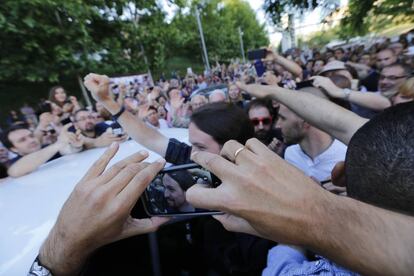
<point x="99" y="86"/>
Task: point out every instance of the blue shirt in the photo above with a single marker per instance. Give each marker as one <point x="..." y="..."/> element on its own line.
<point x="285" y="260"/>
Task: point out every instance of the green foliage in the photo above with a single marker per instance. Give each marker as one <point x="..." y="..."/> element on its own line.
<point x="46" y="40"/>
<point x="321" y="38"/>
<point x="220" y="21"/>
<point x="277" y="8"/>
<point x="365" y="16"/>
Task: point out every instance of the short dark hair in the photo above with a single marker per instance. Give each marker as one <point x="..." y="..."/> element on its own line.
<point x="184" y="179"/>
<point x="340" y="49"/>
<point x="224" y="122"/>
<point x="77" y="112"/>
<point x="5" y="135"/>
<point x="157" y="99"/>
<point x="151" y="107"/>
<point x="380" y="160"/>
<point x="263" y="102"/>
<point x="387" y="50"/>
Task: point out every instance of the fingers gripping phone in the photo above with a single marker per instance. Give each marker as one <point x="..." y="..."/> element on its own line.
<point x="166" y="194"/>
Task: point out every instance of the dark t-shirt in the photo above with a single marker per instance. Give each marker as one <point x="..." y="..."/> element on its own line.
<point x="371" y="81"/>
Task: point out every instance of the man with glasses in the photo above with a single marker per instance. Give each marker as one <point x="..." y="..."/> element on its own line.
<point x="94" y="135"/>
<point x="391" y="78"/>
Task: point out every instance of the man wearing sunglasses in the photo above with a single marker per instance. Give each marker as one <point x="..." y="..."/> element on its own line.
<point x="261" y="116"/>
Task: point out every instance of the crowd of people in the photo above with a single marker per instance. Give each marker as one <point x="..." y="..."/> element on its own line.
<point x="324" y="186"/>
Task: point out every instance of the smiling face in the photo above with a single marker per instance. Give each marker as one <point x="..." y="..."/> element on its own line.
<point x="391" y="78"/>
<point x="84" y="121"/>
<point x="23" y="141"/>
<point x="60" y="95"/>
<point x="234" y="92"/>
<point x="173" y="193"/>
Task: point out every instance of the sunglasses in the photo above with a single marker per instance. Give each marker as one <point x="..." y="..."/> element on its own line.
<point x="263" y="120"/>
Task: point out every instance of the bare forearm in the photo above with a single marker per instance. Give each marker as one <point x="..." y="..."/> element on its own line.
<point x="32" y="161"/>
<point x="365" y="238"/>
<point x="290" y="66"/>
<point x="359" y="66"/>
<point x="370" y="100"/>
<point x="139" y="131"/>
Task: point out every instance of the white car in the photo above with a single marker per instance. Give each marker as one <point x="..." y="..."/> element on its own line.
<point x="29" y="205"/>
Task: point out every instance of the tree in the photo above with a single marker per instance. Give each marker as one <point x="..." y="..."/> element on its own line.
<point x="276" y="9"/>
<point x="220" y="20"/>
<point x="359" y="15"/>
<point x="44" y="40"/>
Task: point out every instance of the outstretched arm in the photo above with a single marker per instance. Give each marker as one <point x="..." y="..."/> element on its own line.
<point x="371" y="100"/>
<point x="137" y="129"/>
<point x="264" y="195"/>
<point x="111" y="193"/>
<point x="288" y="64"/>
<point x="32" y="161"/>
<point x="323" y="114"/>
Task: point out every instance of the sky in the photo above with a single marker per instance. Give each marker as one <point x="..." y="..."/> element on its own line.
<point x="310" y="20"/>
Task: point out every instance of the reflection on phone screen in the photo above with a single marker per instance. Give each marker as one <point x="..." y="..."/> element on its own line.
<point x="166" y="194"/>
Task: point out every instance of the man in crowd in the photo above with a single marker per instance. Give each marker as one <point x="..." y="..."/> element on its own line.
<point x="198" y="101"/>
<point x="153" y="119"/>
<point x="385" y="58"/>
<point x="30" y="154"/>
<point x="313" y="151"/>
<point x="260" y="115"/>
<point x="391" y="78"/>
<point x="217" y="96"/>
<point x="95" y="135"/>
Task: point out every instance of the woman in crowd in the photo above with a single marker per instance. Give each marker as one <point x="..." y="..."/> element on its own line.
<point x="57" y="95"/>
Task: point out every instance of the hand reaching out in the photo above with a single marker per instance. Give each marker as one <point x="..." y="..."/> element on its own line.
<point x="98" y="211"/>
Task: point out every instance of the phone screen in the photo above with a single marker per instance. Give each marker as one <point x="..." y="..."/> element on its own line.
<point x="166" y="194"/>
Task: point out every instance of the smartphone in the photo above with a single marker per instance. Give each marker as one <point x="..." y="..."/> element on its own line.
<point x="260" y="68"/>
<point x="118" y="132"/>
<point x="256" y="54"/>
<point x="165" y="196"/>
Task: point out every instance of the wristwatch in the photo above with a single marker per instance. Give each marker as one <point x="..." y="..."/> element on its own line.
<point x="37" y="269"/>
<point x="347" y="93"/>
<point x="118" y="114"/>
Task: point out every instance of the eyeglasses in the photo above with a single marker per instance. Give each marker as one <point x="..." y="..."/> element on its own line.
<point x="263" y="120"/>
<point x="392" y="78"/>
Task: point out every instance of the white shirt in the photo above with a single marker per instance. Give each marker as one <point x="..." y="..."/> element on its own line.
<point x="321" y="166"/>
